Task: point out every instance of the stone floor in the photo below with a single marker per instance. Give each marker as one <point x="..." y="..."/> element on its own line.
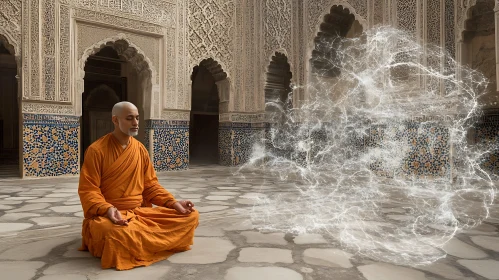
<point x="40" y="222"/>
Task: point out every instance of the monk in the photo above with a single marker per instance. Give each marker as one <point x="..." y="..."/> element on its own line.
<point x="118" y="186"/>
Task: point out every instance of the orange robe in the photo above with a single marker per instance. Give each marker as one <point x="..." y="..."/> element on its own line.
<point x="125" y="179"/>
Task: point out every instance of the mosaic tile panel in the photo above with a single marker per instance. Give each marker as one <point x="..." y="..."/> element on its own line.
<point x="428" y="154"/>
<point x="236" y="141"/>
<point x="170" y="144"/>
<point x="50" y="145"/>
<point x="225" y="147"/>
<point x="428" y="146"/>
<point x="487" y="134"/>
<point x="244" y="136"/>
<point x="147" y="131"/>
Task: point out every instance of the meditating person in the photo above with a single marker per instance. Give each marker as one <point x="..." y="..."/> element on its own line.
<point x="118" y="186"/>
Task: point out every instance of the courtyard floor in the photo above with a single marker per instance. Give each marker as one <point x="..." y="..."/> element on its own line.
<point x="40" y="226"/>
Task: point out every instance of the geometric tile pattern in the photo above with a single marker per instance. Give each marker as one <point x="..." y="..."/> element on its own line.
<point x="428" y="143"/>
<point x="170" y="144"/>
<point x="236" y="141"/>
<point x="487" y="134"/>
<point x="428" y="154"/>
<point x="50" y="145"/>
<point x="225" y="147"/>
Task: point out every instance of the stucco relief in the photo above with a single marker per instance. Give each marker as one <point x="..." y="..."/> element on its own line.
<point x="407" y="15"/>
<point x="239" y="66"/>
<point x="175" y="115"/>
<point x="433" y="22"/>
<point x="283" y="31"/>
<point x="48" y="47"/>
<point x="463" y="12"/>
<point x="171" y="75"/>
<point x="250" y="42"/>
<point x="10" y="22"/>
<point x="317" y="9"/>
<point x="34" y="50"/>
<point x="64" y="54"/>
<point x="450" y="27"/>
<point x="211" y="32"/>
<point x="160" y="12"/>
<point x="182" y="91"/>
<point x="88" y="35"/>
<point x="140" y="58"/>
<point x="47" y="108"/>
<point x="277" y="26"/>
<point x="242" y="118"/>
<point x="377" y="10"/>
<point x="118" y="21"/>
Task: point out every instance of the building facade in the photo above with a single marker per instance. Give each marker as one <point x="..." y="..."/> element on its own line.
<point x="198" y="70"/>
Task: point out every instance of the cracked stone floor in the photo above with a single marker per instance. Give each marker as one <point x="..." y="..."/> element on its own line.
<point x="40" y="222"/>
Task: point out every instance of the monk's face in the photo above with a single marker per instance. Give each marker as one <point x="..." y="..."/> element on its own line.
<point x="127" y="120"/>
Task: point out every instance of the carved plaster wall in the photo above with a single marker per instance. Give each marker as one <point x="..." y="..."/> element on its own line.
<point x="278" y="26"/>
<point x="231" y="32"/>
<point x="142" y="60"/>
<point x="10" y="23"/>
<point x="55" y="38"/>
<point x="212" y="34"/>
<point x="313" y="16"/>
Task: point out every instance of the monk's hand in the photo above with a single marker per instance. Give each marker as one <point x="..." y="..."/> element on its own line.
<point x="183" y="206"/>
<point x="115" y="216"/>
<point x="187" y="204"/>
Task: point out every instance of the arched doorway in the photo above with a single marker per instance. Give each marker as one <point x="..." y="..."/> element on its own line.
<point x="205" y="108"/>
<point x="9" y="111"/>
<point x="114" y="73"/>
<point x="338" y="23"/>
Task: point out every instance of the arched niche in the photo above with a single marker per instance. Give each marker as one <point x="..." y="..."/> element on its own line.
<point x="277" y="90"/>
<point x="210" y="97"/>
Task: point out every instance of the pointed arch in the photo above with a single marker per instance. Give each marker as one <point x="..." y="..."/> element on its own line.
<point x="136" y="56"/>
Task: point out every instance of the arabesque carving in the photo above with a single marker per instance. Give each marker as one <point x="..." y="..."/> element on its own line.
<point x="211" y="32"/>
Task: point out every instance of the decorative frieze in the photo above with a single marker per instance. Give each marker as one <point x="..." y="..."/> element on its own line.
<point x="95" y="16"/>
<point x="160" y="12"/>
<point x="175" y="115"/>
<point x="47" y="108"/>
<point x="242" y="117"/>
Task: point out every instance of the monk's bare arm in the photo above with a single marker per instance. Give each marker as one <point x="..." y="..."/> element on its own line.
<point x="153" y="191"/>
<point x="92" y="200"/>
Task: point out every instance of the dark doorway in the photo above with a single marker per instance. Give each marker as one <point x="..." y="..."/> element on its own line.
<point x="9" y="113"/>
<point x="337" y="24"/>
<point x="278" y="83"/>
<point x="204" y="120"/>
<point x="104" y="87"/>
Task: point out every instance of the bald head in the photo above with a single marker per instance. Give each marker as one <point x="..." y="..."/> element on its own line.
<point x="120" y="107"/>
<point x="126" y="118"/>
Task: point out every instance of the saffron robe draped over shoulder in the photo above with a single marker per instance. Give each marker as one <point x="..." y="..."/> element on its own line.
<point x="125" y="178"/>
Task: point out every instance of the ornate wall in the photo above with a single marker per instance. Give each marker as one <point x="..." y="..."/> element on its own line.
<point x="53" y="38"/>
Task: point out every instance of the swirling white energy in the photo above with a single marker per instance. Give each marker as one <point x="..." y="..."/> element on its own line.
<point x="377" y="158"/>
